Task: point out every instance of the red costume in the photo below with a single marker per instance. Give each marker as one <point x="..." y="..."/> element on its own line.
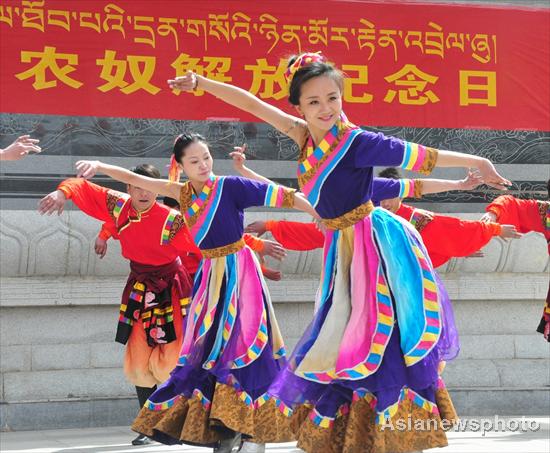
<point x="159" y="286"/>
<point x="190" y="258"/>
<point x="526" y="216"/>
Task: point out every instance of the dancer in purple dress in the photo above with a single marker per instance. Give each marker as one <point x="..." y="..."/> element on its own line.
<point x="232" y="349"/>
<point x="369" y="357"/>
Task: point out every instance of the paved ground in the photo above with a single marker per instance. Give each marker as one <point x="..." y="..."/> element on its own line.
<point x="117" y="440"/>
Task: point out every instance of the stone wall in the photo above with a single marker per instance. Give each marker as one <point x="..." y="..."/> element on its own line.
<point x="61" y="368"/>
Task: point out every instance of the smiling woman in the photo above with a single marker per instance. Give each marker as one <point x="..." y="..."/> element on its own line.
<point x="233" y="344"/>
<point x="350" y="360"/>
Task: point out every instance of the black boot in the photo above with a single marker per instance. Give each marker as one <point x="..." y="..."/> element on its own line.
<point x="143" y="394"/>
<point x="141" y="440"/>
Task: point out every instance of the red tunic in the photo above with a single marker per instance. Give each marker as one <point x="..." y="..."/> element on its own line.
<point x="155" y="237"/>
<point x="158" y="287"/>
<point x="190" y="258"/>
<point x="296" y="235"/>
<point x="526" y="216"/>
<point x="445" y="237"/>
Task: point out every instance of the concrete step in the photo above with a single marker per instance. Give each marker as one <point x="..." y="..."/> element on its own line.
<point x="97" y="412"/>
<point x="498" y="373"/>
<point x="65" y="384"/>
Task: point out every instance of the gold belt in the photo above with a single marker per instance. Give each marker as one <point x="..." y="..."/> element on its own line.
<point x="349" y="218"/>
<point x="224" y="250"/>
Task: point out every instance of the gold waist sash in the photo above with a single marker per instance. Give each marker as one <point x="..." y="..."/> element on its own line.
<point x="225" y="250"/>
<point x="349" y="218"/>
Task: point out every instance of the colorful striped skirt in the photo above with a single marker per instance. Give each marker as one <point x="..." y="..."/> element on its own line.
<point x="232" y="351"/>
<point x="368" y="362"/>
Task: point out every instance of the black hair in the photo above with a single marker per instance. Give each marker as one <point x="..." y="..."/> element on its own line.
<point x="183" y="141"/>
<point x="171" y="203"/>
<point x="308" y="72"/>
<point x="146" y="170"/>
<point x="390" y="173"/>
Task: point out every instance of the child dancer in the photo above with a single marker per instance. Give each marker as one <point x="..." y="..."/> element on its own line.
<point x="152" y="236"/>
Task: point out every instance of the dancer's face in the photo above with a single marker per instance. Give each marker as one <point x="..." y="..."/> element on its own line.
<point x="197" y="162"/>
<point x="391" y="204"/>
<point x="320" y="102"/>
<point x="141" y="199"/>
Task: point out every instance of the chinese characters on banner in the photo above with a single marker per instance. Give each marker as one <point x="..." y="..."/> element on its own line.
<point x="406" y="65"/>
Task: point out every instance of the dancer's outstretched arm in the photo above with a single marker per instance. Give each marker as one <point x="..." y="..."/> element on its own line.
<point x="296" y="128"/>
<point x="487" y="170"/>
<point x="89" y="168"/>
<point x="470" y="182"/>
<point x="290" y="125"/>
<point x="239" y="158"/>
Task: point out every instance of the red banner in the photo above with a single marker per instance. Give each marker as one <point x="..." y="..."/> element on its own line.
<point x="417" y="65"/>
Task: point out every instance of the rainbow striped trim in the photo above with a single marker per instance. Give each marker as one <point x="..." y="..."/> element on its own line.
<point x="321" y="420"/>
<point x="257" y="347"/>
<point x="315" y="155"/>
<point x="312" y="188"/>
<point x="406" y="188"/>
<point x="548" y="217"/>
<point x="384" y="328"/>
<point x="258" y="402"/>
<point x="274" y="196"/>
<point x="201" y="224"/>
<point x="432" y="312"/>
<point x="364" y="394"/>
<point x="119" y="205"/>
<point x="384" y="325"/>
<point x="413" y="156"/>
<point x="229" y="312"/>
<point x="280" y="353"/>
<point x="324" y="421"/>
<point x="283" y="408"/>
<point x="440" y="383"/>
<point x="411" y="395"/>
<point x="205" y="402"/>
<point x="165" y="235"/>
<point x="163" y="405"/>
<point x="198" y="201"/>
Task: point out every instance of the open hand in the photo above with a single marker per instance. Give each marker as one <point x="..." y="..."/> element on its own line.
<point x="54" y="201"/>
<point x="491" y="177"/>
<point x="20" y="148"/>
<point x="471" y="181"/>
<point x="87" y="168"/>
<point x="273" y="249"/>
<point x="257" y="227"/>
<point x="509" y="232"/>
<point x="271" y="274"/>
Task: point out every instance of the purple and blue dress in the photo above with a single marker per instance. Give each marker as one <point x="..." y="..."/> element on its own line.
<point x="370" y="355"/>
<point x="232" y="348"/>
